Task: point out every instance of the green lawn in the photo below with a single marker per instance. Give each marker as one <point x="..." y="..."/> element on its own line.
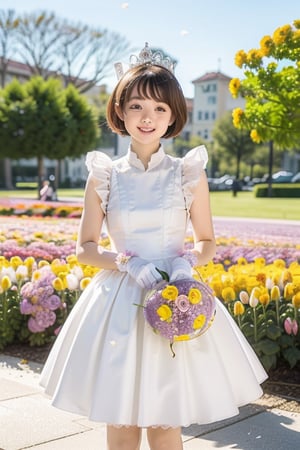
<point x="246" y="205"/>
<point x="223" y="203"/>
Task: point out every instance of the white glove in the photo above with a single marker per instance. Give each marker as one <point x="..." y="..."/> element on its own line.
<point x="180" y="269"/>
<point x="144" y="273"/>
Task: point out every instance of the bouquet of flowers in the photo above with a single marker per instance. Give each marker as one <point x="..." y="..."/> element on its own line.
<point x="180" y="310"/>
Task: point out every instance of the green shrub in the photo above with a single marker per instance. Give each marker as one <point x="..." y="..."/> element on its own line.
<point x="284" y="190"/>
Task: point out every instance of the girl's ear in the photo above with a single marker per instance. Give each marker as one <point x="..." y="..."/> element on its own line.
<point x="172" y="120"/>
<point x="119" y="111"/>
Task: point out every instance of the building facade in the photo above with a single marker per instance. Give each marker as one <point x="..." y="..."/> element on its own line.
<point x="211" y="100"/>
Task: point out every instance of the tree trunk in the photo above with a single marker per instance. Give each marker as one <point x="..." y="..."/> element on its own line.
<point x="7" y="175"/>
<point x="41" y="173"/>
<point x="271" y="159"/>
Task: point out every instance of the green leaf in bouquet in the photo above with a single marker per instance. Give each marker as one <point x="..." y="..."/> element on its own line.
<point x="164" y="274"/>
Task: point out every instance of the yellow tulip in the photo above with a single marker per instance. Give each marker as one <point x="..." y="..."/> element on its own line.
<point x="275" y="293"/>
<point x="238" y="308"/>
<point x="5" y="283"/>
<point x="296" y="300"/>
<point x="228" y="294"/>
<point x="72" y="260"/>
<point x="279" y="263"/>
<point x="264" y="299"/>
<point x="29" y="261"/>
<point x="288" y="291"/>
<point x="287" y="277"/>
<point x="15" y="261"/>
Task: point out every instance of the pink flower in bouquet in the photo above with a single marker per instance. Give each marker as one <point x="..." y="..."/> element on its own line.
<point x="180" y="310"/>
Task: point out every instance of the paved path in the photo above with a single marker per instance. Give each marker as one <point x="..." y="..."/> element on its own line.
<point x="28" y="421"/>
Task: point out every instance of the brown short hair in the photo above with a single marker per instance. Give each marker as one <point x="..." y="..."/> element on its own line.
<point x="152" y="81"/>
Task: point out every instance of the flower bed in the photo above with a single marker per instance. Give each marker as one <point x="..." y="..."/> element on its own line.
<point x="29" y="208"/>
<point x="256" y="273"/>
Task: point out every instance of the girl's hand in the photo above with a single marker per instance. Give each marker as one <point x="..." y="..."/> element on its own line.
<point x="144" y="272"/>
<point x="181" y="269"/>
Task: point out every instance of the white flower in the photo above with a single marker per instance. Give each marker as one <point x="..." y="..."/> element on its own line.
<point x="72" y="282"/>
<point x="21" y="272"/>
<point x="10" y="272"/>
<point x="253" y="301"/>
<point x="78" y="272"/>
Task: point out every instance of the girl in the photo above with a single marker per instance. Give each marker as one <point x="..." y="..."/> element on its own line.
<point x="107" y="363"/>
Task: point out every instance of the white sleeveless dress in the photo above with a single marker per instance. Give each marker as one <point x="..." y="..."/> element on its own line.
<point x="107" y="363"/>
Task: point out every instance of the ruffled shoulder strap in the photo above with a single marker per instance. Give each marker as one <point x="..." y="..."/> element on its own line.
<point x="99" y="166"/>
<point x="194" y="162"/>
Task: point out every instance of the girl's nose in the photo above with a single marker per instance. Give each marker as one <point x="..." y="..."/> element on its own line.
<point x="147" y="120"/>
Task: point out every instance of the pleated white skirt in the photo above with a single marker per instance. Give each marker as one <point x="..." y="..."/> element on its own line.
<point x="109" y="365"/>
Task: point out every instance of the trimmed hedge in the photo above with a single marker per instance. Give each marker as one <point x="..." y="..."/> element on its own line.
<point x="280" y="190"/>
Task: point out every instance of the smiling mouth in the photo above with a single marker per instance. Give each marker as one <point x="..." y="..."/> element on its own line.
<point x="146" y="130"/>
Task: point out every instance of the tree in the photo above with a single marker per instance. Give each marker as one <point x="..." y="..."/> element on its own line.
<point x="271" y="88"/>
<point x="88" y="55"/>
<point x="235" y="143"/>
<point x="39" y="37"/>
<point x="8" y="26"/>
<point x="41" y="119"/>
<point x="80" y="55"/>
<point x="182" y="146"/>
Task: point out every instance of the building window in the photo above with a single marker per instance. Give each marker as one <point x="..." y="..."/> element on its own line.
<point x="212" y="100"/>
<point x="186" y="135"/>
<point x="206" y="115"/>
<point x="205" y="134"/>
<point x="213" y="115"/>
<point x="199" y="115"/>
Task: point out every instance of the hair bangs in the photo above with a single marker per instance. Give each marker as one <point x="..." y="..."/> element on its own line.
<point x="151" y="85"/>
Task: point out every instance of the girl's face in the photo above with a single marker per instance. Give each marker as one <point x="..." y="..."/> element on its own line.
<point x="145" y="119"/>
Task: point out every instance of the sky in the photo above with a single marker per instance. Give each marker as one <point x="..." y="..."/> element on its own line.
<point x="202" y="36"/>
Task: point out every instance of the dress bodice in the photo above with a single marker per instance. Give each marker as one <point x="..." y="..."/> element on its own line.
<point x="147" y="211"/>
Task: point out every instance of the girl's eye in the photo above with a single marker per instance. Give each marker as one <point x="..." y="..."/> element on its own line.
<point x="160" y="108"/>
<point x="134" y="106"/>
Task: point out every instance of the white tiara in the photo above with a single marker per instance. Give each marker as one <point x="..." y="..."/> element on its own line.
<point x="146" y="56"/>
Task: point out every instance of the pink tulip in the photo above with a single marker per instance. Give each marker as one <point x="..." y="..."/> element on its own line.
<point x="288" y="325"/>
<point x="291" y="326"/>
<point x="294" y="327"/>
